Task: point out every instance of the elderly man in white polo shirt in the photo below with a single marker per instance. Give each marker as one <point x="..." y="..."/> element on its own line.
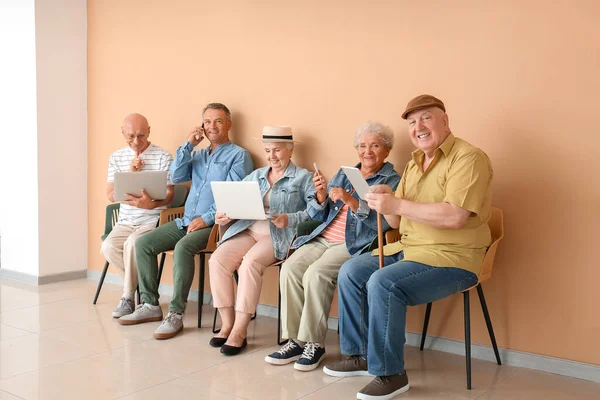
<point x="137" y="215"/>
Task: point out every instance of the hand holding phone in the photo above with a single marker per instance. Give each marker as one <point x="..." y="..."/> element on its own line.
<point x="320" y="184"/>
<point x="196" y="135"/>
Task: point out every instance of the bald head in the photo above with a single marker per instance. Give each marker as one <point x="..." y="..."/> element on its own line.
<point x="136" y="131"/>
<point x="137" y="120"/>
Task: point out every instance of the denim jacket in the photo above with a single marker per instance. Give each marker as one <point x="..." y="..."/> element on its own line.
<point x="361" y="227"/>
<point x="290" y="195"/>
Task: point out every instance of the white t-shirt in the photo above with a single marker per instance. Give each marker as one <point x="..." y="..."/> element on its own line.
<point x="155" y="159"/>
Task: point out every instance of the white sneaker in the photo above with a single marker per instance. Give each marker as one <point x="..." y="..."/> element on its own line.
<point x="125" y="307"/>
<point x="143" y="313"/>
<point x="170" y="327"/>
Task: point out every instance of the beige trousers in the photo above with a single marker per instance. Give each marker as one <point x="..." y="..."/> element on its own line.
<point x="248" y="252"/>
<point x="308" y="281"/>
<point x="119" y="250"/>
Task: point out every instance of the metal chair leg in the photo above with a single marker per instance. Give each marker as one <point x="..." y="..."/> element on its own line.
<point x="201" y="269"/>
<point x="279" y="341"/>
<point x="425" y="325"/>
<point x="468" y="338"/>
<point x="488" y="322"/>
<point x="214" y="328"/>
<point x="101" y="282"/>
<point x="161" y="265"/>
<point x="139" y="295"/>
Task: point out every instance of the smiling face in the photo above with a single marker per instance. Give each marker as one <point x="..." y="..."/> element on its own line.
<point x="371" y="151"/>
<point x="136" y="132"/>
<point x="278" y="155"/>
<point x="216" y="126"/>
<point x="428" y="128"/>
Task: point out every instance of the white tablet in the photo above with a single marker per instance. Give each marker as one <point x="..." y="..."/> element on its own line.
<point x="239" y="200"/>
<point x="153" y="182"/>
<point x="357" y="180"/>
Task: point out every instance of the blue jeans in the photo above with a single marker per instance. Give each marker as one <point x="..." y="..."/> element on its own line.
<point x="373" y="301"/>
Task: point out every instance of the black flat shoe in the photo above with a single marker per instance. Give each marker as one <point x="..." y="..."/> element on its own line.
<point x="233" y="350"/>
<point x="217" y="341"/>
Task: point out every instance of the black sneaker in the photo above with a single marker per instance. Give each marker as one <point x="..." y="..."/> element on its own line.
<point x="290" y="352"/>
<point x="311" y="357"/>
<point x="384" y="387"/>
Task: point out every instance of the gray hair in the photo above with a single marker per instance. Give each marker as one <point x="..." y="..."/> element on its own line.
<point x="217" y="106"/>
<point x="290" y="146"/>
<point x="384" y="131"/>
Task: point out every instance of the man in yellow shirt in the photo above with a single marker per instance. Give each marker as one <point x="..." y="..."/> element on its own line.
<point x="442" y="206"/>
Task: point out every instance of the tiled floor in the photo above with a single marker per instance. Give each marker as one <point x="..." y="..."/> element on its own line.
<point x="54" y="344"/>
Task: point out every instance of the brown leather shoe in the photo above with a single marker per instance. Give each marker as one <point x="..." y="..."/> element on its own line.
<point x="384" y="387"/>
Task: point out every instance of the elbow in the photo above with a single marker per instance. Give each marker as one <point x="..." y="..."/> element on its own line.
<point x="455" y="222"/>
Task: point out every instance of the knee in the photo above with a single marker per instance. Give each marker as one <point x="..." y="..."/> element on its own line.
<point x="129" y="243"/>
<point x="250" y="266"/>
<point x="216" y="263"/>
<point x="313" y="276"/>
<point x="143" y="244"/>
<point x="107" y="248"/>
<point x="374" y="283"/>
<point x="290" y="273"/>
<point x="347" y="272"/>
<point x="182" y="249"/>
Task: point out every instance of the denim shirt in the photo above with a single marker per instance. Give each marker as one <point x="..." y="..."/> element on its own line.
<point x="228" y="162"/>
<point x="290" y="196"/>
<point x="361" y="227"/>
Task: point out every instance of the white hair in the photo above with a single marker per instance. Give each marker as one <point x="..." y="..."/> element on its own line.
<point x="384" y="131"/>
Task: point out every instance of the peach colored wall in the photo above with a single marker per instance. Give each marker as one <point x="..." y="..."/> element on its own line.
<point x="520" y="80"/>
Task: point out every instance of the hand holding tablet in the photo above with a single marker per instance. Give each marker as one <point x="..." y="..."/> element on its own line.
<point x="357" y="180"/>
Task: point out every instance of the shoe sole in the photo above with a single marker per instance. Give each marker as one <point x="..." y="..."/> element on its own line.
<point x="139" y="321"/>
<point x="281" y="361"/>
<point x="306" y="368"/>
<point x="119" y="315"/>
<point x="162" y="336"/>
<point x="342" y="374"/>
<point x="363" y="396"/>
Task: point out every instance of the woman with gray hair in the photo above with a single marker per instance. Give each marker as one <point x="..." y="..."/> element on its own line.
<point x="348" y="226"/>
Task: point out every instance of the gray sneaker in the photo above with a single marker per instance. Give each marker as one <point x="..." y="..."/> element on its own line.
<point x="143" y="313"/>
<point x="171" y="326"/>
<point x="384" y="387"/>
<point x="125" y="307"/>
<point x="352" y="366"/>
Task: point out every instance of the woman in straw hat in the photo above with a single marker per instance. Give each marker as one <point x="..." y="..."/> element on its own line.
<point x="251" y="246"/>
<point x="348" y="226"/>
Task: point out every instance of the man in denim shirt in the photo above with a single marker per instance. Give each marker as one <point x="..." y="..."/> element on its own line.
<point x="221" y="161"/>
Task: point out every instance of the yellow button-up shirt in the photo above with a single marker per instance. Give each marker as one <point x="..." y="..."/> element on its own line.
<point x="460" y="174"/>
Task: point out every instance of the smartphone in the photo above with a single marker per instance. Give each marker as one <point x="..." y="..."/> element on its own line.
<point x="201" y="136"/>
<point x="316" y="169"/>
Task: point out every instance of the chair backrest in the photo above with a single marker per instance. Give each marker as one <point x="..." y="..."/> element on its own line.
<point x="496" y="224"/>
<point x="392" y="236"/>
<point x="213" y="239"/>
<point x="111" y="218"/>
<point x="180" y="195"/>
<point x="170" y="215"/>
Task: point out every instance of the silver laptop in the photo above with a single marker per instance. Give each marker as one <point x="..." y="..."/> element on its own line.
<point x="239" y="200"/>
<point x="154" y="182"/>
